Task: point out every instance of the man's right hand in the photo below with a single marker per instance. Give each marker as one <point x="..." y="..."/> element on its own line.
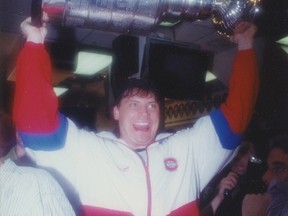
<point x="33" y="33"/>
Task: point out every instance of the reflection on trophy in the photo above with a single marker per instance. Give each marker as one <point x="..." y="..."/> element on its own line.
<point x="142" y="16"/>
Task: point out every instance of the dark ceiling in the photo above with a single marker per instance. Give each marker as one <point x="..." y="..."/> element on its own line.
<point x="273" y="22"/>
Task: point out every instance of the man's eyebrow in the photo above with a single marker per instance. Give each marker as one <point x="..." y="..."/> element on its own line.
<point x="132" y="100"/>
<point x="152" y="101"/>
<point x="279" y="163"/>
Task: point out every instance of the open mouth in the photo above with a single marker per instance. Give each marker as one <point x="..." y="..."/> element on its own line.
<point x="141" y="126"/>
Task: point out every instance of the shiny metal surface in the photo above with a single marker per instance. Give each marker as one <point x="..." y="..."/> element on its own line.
<point x="142" y="16"/>
<point x="227" y="13"/>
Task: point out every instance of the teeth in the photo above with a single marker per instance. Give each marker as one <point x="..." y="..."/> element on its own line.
<point x="142" y="123"/>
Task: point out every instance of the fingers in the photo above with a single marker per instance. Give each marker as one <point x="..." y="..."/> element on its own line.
<point x="45" y="17"/>
<point x="228" y="183"/>
<point x="20" y="151"/>
<point x="243" y="35"/>
<point x="32" y="33"/>
<point x="230" y="179"/>
<point x="242" y="27"/>
<point x="24" y="25"/>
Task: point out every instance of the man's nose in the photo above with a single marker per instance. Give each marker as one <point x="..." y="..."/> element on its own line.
<point x="267" y="177"/>
<point x="144" y="109"/>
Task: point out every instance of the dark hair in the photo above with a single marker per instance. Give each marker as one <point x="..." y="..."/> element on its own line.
<point x="244" y="148"/>
<point x="279" y="141"/>
<point x="133" y="86"/>
<point x="7" y="134"/>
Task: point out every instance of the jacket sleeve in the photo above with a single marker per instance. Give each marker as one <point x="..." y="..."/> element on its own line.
<point x="35" y="109"/>
<point x="234" y="115"/>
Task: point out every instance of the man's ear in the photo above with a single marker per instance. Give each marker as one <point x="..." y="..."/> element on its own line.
<point x="116" y="113"/>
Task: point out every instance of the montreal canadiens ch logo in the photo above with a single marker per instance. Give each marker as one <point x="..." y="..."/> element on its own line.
<point x="171" y="164"/>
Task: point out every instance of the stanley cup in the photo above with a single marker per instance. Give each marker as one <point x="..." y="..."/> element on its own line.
<point x="140" y="17"/>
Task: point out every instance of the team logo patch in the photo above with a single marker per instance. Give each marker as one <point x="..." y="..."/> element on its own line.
<point x="171" y="164"/>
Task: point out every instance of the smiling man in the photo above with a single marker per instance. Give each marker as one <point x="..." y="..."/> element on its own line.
<point x="136" y="171"/>
<point x="138" y="113"/>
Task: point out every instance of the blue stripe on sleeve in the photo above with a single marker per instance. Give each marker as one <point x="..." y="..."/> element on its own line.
<point x="48" y="141"/>
<point x="228" y="139"/>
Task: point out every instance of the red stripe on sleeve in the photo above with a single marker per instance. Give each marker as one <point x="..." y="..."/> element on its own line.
<point x="190" y="209"/>
<point x="94" y="211"/>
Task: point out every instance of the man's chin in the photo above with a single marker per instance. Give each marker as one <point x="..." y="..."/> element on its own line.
<point x="140" y="143"/>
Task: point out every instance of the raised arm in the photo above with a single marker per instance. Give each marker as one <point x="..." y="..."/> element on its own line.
<point x="35" y="104"/>
<point x="243" y="89"/>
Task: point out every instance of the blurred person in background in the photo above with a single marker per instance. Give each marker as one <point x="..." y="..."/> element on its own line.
<point x="275" y="201"/>
<point x="26" y="191"/>
<point x="224" y="194"/>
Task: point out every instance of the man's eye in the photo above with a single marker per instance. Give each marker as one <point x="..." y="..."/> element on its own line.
<point x="133" y="104"/>
<point x="279" y="169"/>
<point x="152" y="106"/>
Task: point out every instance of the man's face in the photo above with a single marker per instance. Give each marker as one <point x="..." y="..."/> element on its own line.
<point x="277" y="166"/>
<point x="138" y="118"/>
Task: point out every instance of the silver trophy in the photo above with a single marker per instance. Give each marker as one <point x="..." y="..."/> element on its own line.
<point x="140" y="17"/>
